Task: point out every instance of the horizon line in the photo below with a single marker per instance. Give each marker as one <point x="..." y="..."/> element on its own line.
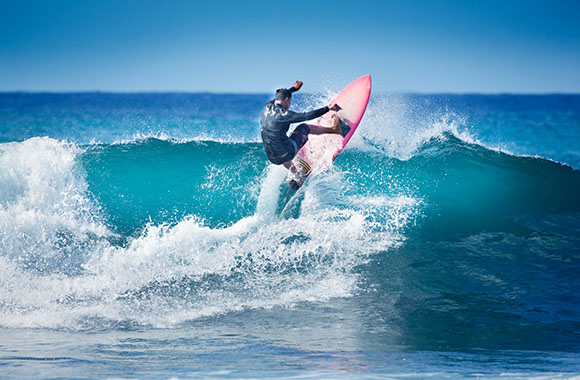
<point x="160" y="92"/>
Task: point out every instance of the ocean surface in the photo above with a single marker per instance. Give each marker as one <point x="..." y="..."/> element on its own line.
<point x="140" y="238"/>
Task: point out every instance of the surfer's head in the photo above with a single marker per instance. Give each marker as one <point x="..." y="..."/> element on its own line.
<point x="284" y="97"/>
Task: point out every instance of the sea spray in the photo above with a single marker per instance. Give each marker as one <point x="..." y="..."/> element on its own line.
<point x="47" y="219"/>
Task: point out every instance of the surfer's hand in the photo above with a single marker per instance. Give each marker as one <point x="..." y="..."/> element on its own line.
<point x="334" y="107"/>
<point x="297" y="85"/>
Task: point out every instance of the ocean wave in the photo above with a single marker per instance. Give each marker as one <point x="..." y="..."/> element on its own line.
<point x="159" y="233"/>
<point x="63" y="265"/>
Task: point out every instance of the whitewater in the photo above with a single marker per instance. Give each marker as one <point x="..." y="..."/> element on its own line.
<point x="140" y="237"/>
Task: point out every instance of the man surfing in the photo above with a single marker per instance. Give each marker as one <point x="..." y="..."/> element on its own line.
<point x="275" y="122"/>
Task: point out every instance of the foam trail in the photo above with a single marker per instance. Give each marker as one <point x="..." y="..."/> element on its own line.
<point x="270" y="191"/>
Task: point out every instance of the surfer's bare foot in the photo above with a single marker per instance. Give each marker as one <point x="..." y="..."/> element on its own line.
<point x="335" y="127"/>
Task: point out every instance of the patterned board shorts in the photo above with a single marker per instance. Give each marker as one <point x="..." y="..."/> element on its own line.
<point x="298" y="138"/>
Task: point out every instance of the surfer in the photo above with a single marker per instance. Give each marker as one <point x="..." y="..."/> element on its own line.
<point x="275" y="122"/>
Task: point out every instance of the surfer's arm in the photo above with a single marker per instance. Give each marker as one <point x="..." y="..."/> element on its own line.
<point x="296" y="86"/>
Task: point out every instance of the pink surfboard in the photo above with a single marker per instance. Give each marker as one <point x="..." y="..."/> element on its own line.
<point x="321" y="150"/>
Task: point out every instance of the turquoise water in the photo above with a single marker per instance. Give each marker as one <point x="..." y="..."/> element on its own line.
<point x="139" y="238"/>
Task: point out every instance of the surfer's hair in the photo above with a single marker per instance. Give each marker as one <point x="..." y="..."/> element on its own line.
<point x="283" y="93"/>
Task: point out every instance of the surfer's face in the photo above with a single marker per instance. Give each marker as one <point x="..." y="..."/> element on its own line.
<point x="286" y="102"/>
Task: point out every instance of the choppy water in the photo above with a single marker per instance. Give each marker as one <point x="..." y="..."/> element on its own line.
<point x="139" y="238"/>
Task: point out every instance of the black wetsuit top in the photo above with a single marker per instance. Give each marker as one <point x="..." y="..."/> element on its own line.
<point x="275" y="122"/>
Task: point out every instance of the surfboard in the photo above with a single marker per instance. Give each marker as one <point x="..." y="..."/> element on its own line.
<point x="320" y="151"/>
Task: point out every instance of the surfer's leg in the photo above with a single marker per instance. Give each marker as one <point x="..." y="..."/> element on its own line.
<point x="289" y="164"/>
<point x="334" y="127"/>
<point x="299" y="136"/>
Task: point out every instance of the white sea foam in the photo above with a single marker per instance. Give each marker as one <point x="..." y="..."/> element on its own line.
<point x="43" y="207"/>
<point x="59" y="270"/>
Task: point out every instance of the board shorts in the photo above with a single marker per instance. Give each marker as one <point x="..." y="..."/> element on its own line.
<point x="297" y="138"/>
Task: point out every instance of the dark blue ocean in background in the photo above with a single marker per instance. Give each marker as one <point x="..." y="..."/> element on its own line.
<point x="139" y="238"/>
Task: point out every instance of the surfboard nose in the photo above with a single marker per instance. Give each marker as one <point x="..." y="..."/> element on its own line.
<point x="367" y="78"/>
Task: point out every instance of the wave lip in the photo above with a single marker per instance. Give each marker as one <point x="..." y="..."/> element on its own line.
<point x="140" y="138"/>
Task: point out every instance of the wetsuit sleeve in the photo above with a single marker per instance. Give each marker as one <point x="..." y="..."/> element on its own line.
<point x="297" y="117"/>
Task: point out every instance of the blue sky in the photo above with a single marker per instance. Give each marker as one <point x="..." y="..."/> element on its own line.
<point x="258" y="46"/>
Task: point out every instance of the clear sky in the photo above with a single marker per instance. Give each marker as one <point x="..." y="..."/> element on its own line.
<point x="257" y="46"/>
